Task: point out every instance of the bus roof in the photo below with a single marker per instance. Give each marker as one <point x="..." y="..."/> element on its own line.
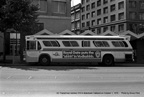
<point x="76" y="37"/>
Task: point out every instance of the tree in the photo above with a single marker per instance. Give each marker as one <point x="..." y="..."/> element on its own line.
<point x="20" y="15"/>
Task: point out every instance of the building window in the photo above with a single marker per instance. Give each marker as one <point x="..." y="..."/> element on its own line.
<point x="99" y="12"/>
<point x="72" y="26"/>
<point x="93" y="14"/>
<point x="88" y="15"/>
<point x="99" y="21"/>
<point x="133" y="27"/>
<point x="121" y="5"/>
<point x="83" y="1"/>
<point x="87" y="0"/>
<point x="105" y="10"/>
<point x="112" y="0"/>
<point x="98" y="31"/>
<point x="141" y="16"/>
<point x="88" y="24"/>
<point x="42" y="4"/>
<point x="83" y="24"/>
<point x="121" y="27"/>
<point x="141" y="28"/>
<point x="105" y="1"/>
<point x="132" y="15"/>
<point x="112" y="7"/>
<point x="83" y="9"/>
<point x="40" y="26"/>
<point x="77" y="15"/>
<point x="105" y="28"/>
<point x="93" y="22"/>
<point x="121" y="16"/>
<point x="112" y="28"/>
<point x="105" y="19"/>
<point x="83" y="17"/>
<point x="93" y="5"/>
<point x="142" y="4"/>
<point x="132" y="4"/>
<point x="78" y="25"/>
<point x="59" y="7"/>
<point x="113" y="18"/>
<point x="72" y="17"/>
<point x="93" y="30"/>
<point x="87" y="7"/>
<point x="99" y="3"/>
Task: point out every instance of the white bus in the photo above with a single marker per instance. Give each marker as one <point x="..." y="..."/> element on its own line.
<point x="78" y="48"/>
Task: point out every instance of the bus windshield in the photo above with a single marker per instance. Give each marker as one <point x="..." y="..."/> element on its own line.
<point x="31" y="45"/>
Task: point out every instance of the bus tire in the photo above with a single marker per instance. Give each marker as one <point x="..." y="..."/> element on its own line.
<point x="44" y="60"/>
<point x="108" y="60"/>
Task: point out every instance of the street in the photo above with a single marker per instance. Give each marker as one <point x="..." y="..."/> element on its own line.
<point x="71" y="81"/>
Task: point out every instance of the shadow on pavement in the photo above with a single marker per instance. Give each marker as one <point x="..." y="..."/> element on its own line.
<point x="65" y="66"/>
<point x="54" y="66"/>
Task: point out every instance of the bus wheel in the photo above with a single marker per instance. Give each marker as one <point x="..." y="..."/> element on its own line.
<point x="44" y="60"/>
<point x="108" y="60"/>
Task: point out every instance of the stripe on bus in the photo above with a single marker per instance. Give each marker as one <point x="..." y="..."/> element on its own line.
<point x="44" y="38"/>
<point x="68" y="49"/>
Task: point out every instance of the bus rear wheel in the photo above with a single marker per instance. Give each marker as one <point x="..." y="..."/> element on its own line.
<point x="44" y="60"/>
<point x="108" y="60"/>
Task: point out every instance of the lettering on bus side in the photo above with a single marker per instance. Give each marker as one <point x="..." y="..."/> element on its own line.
<point x="81" y="54"/>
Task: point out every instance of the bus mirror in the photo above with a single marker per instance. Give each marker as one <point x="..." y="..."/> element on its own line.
<point x="128" y="38"/>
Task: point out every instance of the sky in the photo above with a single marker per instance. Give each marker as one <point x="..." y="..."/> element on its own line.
<point x="74" y="2"/>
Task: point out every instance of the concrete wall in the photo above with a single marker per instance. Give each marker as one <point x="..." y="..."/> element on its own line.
<point x="55" y="24"/>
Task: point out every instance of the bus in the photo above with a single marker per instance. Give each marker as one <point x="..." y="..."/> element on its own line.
<point x="104" y="50"/>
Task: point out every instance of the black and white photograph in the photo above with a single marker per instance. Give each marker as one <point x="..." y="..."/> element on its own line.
<point x="72" y="48"/>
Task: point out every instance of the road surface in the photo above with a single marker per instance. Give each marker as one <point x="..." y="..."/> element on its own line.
<point x="71" y="81"/>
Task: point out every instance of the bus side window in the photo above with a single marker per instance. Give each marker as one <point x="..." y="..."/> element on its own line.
<point x="126" y="45"/>
<point x="51" y="43"/>
<point x="74" y="43"/>
<point x="31" y="45"/>
<point x="116" y="43"/>
<point x="47" y="43"/>
<point x="106" y="44"/>
<point x="55" y="43"/>
<point x="85" y="43"/>
<point x="99" y="44"/>
<point x="121" y="44"/>
<point x="66" y="43"/>
<point x="70" y="43"/>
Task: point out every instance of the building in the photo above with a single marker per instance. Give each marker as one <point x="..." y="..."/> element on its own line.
<point x="54" y="14"/>
<point x="115" y="15"/>
<point x="76" y="19"/>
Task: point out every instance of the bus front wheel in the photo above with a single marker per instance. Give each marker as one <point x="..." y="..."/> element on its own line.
<point x="108" y="60"/>
<point x="44" y="60"/>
